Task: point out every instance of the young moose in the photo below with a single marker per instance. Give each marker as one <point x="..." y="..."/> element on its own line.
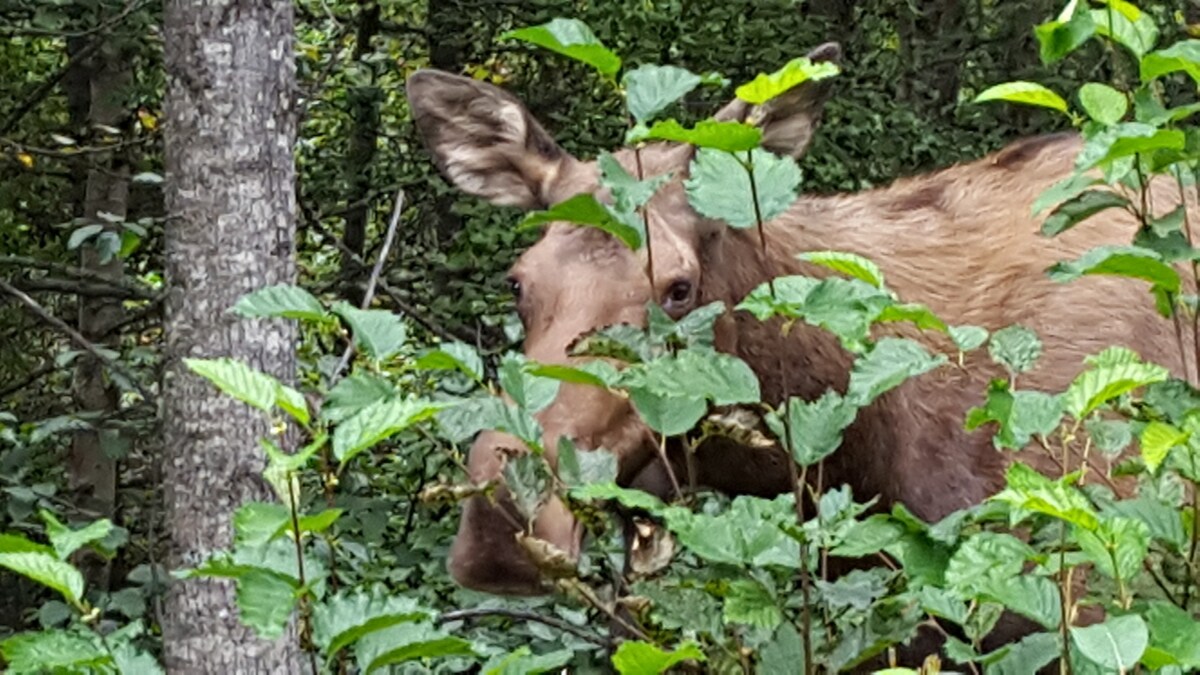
<point x="961" y="240"/>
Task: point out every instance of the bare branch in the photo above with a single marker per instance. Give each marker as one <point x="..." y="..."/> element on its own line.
<point x="523" y="615"/>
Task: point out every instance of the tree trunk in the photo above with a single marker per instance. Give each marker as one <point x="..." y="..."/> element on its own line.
<point x="231" y="206"/>
<point x="92" y="468"/>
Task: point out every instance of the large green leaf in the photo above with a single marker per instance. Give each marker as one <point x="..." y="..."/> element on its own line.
<point x="522" y="661"/>
<point x="1095" y="387"/>
<point x="634" y="499"/>
<point x="403" y="642"/>
<point x="814" y="429"/>
<point x="1174" y="636"/>
<point x="453" y="356"/>
<point x="749" y="602"/>
<point x="352" y="394"/>
<point x="378" y="422"/>
<point x="748" y="533"/>
<point x="1117" y="546"/>
<point x="66" y="540"/>
<point x="282" y="300"/>
<point x="1118" y="643"/>
<point x="1065" y="34"/>
<point x="1181" y="56"/>
<point x="56" y="651"/>
<point x="1063" y="190"/>
<point x="719" y="186"/>
<point x="1135" y="30"/>
<point x="250" y="386"/>
<point x="985" y="558"/>
<point x="1027" y="656"/>
<point x="1123" y="261"/>
<point x="530" y="392"/>
<point x="767" y="86"/>
<point x="1079" y="208"/>
<point x="1124" y="140"/>
<point x="728" y="136"/>
<point x="377" y="332"/>
<point x="650" y="88"/>
<point x="572" y="38"/>
<point x="666" y="414"/>
<point x="584" y="209"/>
<point x="1030" y="492"/>
<point x="1016" y="347"/>
<point x="1157" y="439"/>
<point x="257" y="523"/>
<point x="578" y="467"/>
<point x="48" y="571"/>
<point x="265" y="602"/>
<point x="346" y="617"/>
<point x="844" y="307"/>
<point x="15" y="543"/>
<point x="1019" y="415"/>
<point x="1029" y="93"/>
<point x="1033" y="596"/>
<point x="1103" y="103"/>
<point x="850" y="264"/>
<point x="635" y="657"/>
<point x="721" y="378"/>
<point x="784" y="653"/>
<point x="628" y="192"/>
<point x="889" y="363"/>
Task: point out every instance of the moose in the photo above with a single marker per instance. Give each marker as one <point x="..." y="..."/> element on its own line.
<point x="962" y="240"/>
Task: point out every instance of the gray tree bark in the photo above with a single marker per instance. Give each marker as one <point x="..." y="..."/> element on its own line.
<point x="231" y="211"/>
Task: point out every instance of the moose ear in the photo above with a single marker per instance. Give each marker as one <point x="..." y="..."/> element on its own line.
<point x="789" y="120"/>
<point x="485" y="141"/>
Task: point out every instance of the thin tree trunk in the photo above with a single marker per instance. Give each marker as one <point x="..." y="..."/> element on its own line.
<point x="231" y="212"/>
<point x="91" y="467"/>
<point x="363" y="103"/>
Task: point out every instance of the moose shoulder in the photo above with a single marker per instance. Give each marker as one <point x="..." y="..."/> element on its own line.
<point x="961" y="240"/>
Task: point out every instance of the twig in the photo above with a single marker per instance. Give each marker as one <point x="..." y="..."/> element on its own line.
<point x="369" y="295"/>
<point x="77" y="338"/>
<point x="129" y="8"/>
<point x="41" y="91"/>
<point x="21" y="261"/>
<point x="88" y="289"/>
<point x="523" y="615"/>
<point x="40" y="372"/>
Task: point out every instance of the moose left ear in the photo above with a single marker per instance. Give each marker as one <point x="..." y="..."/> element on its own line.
<point x="789" y="121"/>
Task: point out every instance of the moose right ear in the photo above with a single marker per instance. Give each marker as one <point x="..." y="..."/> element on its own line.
<point x="485" y="141"/>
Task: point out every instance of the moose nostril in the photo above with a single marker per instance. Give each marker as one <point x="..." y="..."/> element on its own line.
<point x="514" y="285"/>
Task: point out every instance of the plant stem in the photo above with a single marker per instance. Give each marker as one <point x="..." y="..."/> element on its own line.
<point x="305" y="607"/>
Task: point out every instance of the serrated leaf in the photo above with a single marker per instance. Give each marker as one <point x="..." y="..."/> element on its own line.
<point x="844" y="307"/>
<point x="719" y="186"/>
<point x="354" y="393"/>
<point x="814" y="430"/>
<point x="578" y="467"/>
<point x="915" y="313"/>
<point x="1029" y="655"/>
<point x="1016" y="348"/>
<point x="1079" y="208"/>
<point x="635" y="657"/>
<point x="1118" y="643"/>
<point x="767" y="86"/>
<point x="378" y="422"/>
<point x="66" y="540"/>
<point x="250" y="386"/>
<point x="1156" y="440"/>
<point x="1182" y="56"/>
<point x="48" y="571"/>
<point x="628" y="192"/>
<point x="592" y="373"/>
<point x="651" y="88"/>
<point x="1174" y="634"/>
<point x="889" y="363"/>
<point x="1028" y="491"/>
<point x="1019" y="415"/>
<point x="634" y="499"/>
<point x="584" y="209"/>
<point x="1028" y="93"/>
<point x="571" y="38"/>
<point x="867" y="537"/>
<point x="523" y="661"/>
<point x="748" y="533"/>
<point x="377" y="332"/>
<point x="1109" y="436"/>
<point x="346" y="617"/>
<point x="728" y="136"/>
<point x="1137" y="35"/>
<point x="282" y="300"/>
<point x="1117" y="546"/>
<point x="749" y="602"/>
<point x="783" y="652"/>
<point x="1063" y="190"/>
<point x="858" y="589"/>
<point x="1035" y="597"/>
<point x="53" y="651"/>
<point x="265" y="602"/>
<point x="984" y="558"/>
<point x="405" y="642"/>
<point x="1093" y="388"/>
<point x="257" y="523"/>
<point x="13" y="543"/>
<point x="1103" y="103"/>
<point x="1124" y="140"/>
<point x="530" y="392"/>
<point x="850" y="264"/>
<point x="721" y="378"/>
<point x="967" y="338"/>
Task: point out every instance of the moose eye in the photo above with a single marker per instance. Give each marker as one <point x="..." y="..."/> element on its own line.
<point x="678" y="295"/>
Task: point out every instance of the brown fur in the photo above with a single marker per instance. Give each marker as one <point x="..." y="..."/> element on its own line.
<point x="961" y="240"/>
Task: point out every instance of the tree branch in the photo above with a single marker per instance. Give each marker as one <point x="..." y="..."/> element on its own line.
<point x="522" y="615"/>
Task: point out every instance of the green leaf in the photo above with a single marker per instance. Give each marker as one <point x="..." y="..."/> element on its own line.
<point x="1027" y="656"/>
<point x="628" y="192"/>
<point x="1156" y="440"/>
<point x="1118" y="643"/>
<point x="1103" y="103"/>
<point x="14" y="543"/>
<point x="236" y="379"/>
<point x="868" y="537"/>
<point x="728" y="136"/>
<point x="530" y="392"/>
<point x="721" y="378"/>
<point x="1079" y="208"/>
<point x="577" y="467"/>
<point x="1063" y="190"/>
<point x="1162" y="520"/>
<point x="1028" y="491"/>
<point x="668" y="415"/>
<point x="1029" y="93"/>
<point x="55" y="651"/>
<point x="1017" y="348"/>
<point x="635" y="657"/>
<point x="985" y="558"/>
<point x="783" y="652"/>
<point x="889" y="363"/>
<point x="814" y="430"/>
<point x="749" y="602"/>
<point x="523" y="661"/>
<point x="1032" y="596"/>
<point x="719" y="186"/>
<point x="1124" y="140"/>
<point x="257" y="523"/>
<point x="283" y="300"/>
<point x="850" y="264"/>
<point x="748" y="533"/>
<point x="1020" y="415"/>
<point x="858" y="590"/>
<point x="571" y="38"/>
<point x="315" y="522"/>
<point x="354" y="393"/>
<point x="967" y="338"/>
<point x="378" y="422"/>
<point x="1138" y="35"/>
<point x="66" y="540"/>
<point x="651" y="88"/>
<point x="346" y="617"/>
<point x="584" y="209"/>
<point x="1109" y="436"/>
<point x="767" y="86"/>
<point x="1181" y="56"/>
<point x="378" y="332"/>
<point x="526" y="478"/>
<point x="1123" y="261"/>
<point x="1117" y="547"/>
<point x="844" y="307"/>
<point x="48" y="571"/>
<point x="453" y="356"/>
<point x="634" y="499"/>
<point x="265" y="602"/>
<point x="1093" y="388"/>
<point x="405" y="642"/>
<point x="592" y="373"/>
<point x="1064" y="35"/>
<point x="919" y="315"/>
<point x="1174" y="634"/>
